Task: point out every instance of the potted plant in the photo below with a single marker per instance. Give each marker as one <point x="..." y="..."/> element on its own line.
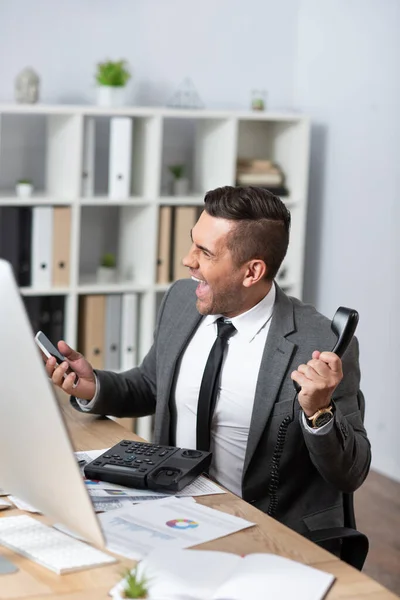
<point x="24" y="188"/>
<point x="112" y="78"/>
<point x="180" y="184"/>
<point x="132" y="586"/>
<point x="106" y="271"/>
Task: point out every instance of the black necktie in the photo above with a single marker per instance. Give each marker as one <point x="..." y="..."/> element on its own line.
<point x="209" y="384"/>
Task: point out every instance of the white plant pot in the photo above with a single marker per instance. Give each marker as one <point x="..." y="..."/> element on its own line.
<point x="106" y="275"/>
<point x="24" y="190"/>
<point x="180" y="187"/>
<point x="108" y="95"/>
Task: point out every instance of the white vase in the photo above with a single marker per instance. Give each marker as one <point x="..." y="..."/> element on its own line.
<point x="106" y="274"/>
<point x="108" y="95"/>
<point x="180" y="187"/>
<point x="24" y="190"/>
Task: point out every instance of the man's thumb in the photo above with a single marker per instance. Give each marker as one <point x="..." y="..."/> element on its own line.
<point x="67" y="351"/>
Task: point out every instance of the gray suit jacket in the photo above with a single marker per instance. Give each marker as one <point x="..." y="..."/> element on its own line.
<point x="314" y="469"/>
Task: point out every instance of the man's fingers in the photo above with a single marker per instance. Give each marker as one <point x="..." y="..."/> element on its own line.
<point x="67" y="351"/>
<point x="332" y="360"/>
<point x="69" y="383"/>
<point x="50" y="366"/>
<point x="58" y="374"/>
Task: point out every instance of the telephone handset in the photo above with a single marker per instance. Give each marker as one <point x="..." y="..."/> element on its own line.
<point x="343" y="325"/>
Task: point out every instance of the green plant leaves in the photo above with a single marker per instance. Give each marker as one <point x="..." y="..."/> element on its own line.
<point x="114" y="74"/>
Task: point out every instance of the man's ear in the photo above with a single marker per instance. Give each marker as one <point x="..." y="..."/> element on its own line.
<point x="255" y="272"/>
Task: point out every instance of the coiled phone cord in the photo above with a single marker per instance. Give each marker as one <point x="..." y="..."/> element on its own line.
<point x="276" y="459"/>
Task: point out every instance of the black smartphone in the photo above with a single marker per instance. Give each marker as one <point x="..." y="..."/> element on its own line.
<point x="49" y="349"/>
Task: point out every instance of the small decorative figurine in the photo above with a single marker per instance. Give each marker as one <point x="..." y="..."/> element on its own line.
<point x="27" y="86"/>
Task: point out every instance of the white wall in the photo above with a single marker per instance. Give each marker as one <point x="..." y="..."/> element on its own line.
<point x="228" y="47"/>
<point x="347" y="78"/>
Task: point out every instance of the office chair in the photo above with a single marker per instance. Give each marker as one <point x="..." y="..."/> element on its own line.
<point x="355" y="545"/>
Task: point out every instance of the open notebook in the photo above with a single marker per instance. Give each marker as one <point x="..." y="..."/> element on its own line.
<point x="208" y="575"/>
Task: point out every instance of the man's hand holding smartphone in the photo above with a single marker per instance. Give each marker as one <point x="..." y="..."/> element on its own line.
<point x="67" y="369"/>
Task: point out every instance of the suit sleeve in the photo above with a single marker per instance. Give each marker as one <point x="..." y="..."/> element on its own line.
<point x="132" y="393"/>
<point x="342" y="454"/>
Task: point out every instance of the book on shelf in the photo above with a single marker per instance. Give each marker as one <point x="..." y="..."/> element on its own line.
<point x="259" y="179"/>
<point x="212" y="575"/>
<point x="258" y="172"/>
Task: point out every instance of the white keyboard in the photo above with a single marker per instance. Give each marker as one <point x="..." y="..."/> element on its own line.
<point x="49" y="547"/>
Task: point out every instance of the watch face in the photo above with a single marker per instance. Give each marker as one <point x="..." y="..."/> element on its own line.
<point x="323" y="419"/>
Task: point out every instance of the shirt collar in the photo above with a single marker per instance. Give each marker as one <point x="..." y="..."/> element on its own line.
<point x="252" y="321"/>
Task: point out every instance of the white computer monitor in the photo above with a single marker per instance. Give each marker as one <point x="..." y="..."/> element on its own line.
<point x="37" y="462"/>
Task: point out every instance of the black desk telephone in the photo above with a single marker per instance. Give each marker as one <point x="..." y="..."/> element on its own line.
<point x="148" y="466"/>
<point x="343" y="325"/>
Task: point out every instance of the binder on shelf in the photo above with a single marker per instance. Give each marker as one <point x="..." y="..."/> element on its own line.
<point x="112" y="332"/>
<point x="25" y="243"/>
<point x="129" y="331"/>
<point x="61" y="245"/>
<point x="92" y="325"/>
<point x="47" y="314"/>
<point x="185" y="219"/>
<point x="57" y="318"/>
<point x="9" y="237"/>
<point x="164" y="245"/>
<point x="89" y="148"/>
<point x="119" y="174"/>
<point x="42" y="246"/>
<point x="33" y="308"/>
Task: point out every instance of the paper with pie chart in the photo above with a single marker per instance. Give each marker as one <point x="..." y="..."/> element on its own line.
<point x="136" y="530"/>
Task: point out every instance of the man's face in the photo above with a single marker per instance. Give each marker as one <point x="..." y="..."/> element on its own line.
<point x="220" y="289"/>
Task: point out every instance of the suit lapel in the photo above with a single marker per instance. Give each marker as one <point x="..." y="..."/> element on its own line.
<point x="275" y="361"/>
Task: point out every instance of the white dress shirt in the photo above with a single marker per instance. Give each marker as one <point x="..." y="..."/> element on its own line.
<point x="231" y="420"/>
<point x="239" y="374"/>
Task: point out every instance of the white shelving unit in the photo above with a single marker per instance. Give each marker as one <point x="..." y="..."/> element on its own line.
<point x="46" y="143"/>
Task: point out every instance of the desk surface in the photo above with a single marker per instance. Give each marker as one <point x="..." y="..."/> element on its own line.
<point x="34" y="582"/>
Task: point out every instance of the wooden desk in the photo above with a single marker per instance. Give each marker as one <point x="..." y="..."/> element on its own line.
<point x="34" y="582"/>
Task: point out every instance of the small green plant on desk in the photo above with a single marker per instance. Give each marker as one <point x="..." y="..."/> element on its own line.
<point x="135" y="586"/>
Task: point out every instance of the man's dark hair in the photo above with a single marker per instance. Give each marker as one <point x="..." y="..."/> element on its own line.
<point x="262" y="224"/>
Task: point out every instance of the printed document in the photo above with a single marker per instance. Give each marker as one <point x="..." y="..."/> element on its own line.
<point x="171" y="523"/>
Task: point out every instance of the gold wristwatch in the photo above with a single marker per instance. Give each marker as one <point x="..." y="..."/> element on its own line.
<point x="321" y="417"/>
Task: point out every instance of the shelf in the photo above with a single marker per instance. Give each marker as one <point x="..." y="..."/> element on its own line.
<point x="149" y="111"/>
<point x="106" y="201"/>
<point x="192" y="200"/>
<point x="8" y="199"/>
<point x="29" y="291"/>
<point x="89" y="285"/>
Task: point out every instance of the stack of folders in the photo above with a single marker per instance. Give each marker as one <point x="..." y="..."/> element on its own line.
<point x="108" y="330"/>
<point x="175" y="224"/>
<point x="36" y="241"/>
<point x="119" y="160"/>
